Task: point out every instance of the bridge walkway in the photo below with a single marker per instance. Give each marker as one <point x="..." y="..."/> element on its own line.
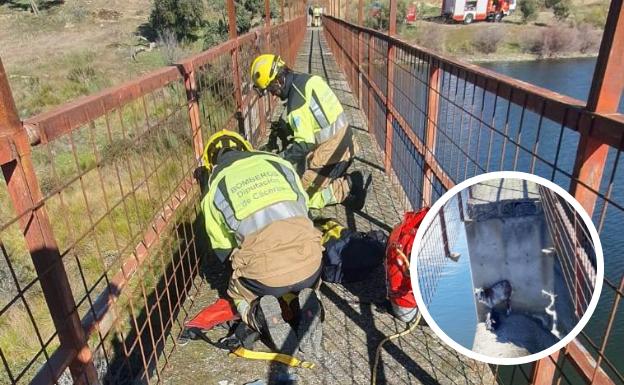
<point x="355" y="323"/>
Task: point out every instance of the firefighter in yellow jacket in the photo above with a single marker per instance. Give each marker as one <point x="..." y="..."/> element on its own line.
<point x="256" y="215"/>
<point x="317" y="12"/>
<point x="323" y="145"/>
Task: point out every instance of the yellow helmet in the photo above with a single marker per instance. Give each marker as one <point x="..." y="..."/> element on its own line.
<point x="222" y="140"/>
<point x="265" y="69"/>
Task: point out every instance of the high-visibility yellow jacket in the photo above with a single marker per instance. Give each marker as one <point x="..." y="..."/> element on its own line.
<point x="317" y="11"/>
<point x="247" y="192"/>
<point x="313" y="110"/>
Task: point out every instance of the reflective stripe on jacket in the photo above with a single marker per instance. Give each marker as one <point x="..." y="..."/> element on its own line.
<point x="247" y="192"/>
<point x="313" y="110"/>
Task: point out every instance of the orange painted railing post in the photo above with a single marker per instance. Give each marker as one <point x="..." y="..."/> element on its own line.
<point x="369" y="70"/>
<point x="290" y="10"/>
<point x="433" y="100"/>
<point x="192" y="97"/>
<point x="282" y="14"/>
<point x="360" y="57"/>
<point x="604" y="97"/>
<point x="231" y="10"/>
<point x="354" y="63"/>
<point x="267" y="23"/>
<point x="25" y="195"/>
<point x="262" y="113"/>
<point x="390" y="88"/>
<point x="544" y="370"/>
<point x="360" y="12"/>
<point x="591" y="156"/>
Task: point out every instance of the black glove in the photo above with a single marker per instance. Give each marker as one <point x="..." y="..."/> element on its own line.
<point x="202" y="175"/>
<point x="272" y="142"/>
<point x="283" y="132"/>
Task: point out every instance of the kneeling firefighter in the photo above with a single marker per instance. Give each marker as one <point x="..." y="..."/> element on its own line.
<point x="323" y="146"/>
<point x="256" y="215"/>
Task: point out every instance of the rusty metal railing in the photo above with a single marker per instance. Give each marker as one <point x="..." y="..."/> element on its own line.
<point x="438" y="121"/>
<point x="99" y="251"/>
<point x="437" y="246"/>
<point x="574" y="248"/>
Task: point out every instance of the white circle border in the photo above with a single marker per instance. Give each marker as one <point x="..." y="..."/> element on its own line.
<point x="430" y="216"/>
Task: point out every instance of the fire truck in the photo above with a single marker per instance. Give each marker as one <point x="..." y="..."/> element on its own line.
<point x="411" y="13"/>
<point x="467" y="11"/>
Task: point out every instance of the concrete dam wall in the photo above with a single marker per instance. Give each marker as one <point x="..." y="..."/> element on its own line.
<point x="508" y="239"/>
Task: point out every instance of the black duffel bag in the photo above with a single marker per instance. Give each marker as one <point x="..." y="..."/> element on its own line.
<point x="349" y="255"/>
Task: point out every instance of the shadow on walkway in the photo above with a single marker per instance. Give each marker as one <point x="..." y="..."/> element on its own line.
<point x="356" y="319"/>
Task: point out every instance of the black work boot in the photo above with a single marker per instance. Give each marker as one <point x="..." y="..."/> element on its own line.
<point x="268" y="317"/>
<point x="309" y="330"/>
<point x="358" y="183"/>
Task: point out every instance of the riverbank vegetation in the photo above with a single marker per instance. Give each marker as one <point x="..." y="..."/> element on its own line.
<point x="124" y="162"/>
<point x="73" y="48"/>
<point x="537" y="29"/>
<point x="506" y="41"/>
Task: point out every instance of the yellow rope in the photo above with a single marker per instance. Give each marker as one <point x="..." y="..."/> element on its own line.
<point x="403" y="257"/>
<point x="279" y="357"/>
<point x="390" y="338"/>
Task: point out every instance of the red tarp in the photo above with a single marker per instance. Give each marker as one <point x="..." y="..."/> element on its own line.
<point x="219" y="312"/>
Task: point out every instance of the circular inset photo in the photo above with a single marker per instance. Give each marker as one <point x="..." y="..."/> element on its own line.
<point x="507" y="268"/>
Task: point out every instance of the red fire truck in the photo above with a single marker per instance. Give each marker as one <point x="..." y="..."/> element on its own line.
<point x="467" y="11"/>
<point x="411" y="13"/>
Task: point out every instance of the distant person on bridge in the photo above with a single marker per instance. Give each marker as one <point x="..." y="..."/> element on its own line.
<point x="256" y="215"/>
<point x="322" y="147"/>
<point x="317" y="11"/>
<point x="310" y="14"/>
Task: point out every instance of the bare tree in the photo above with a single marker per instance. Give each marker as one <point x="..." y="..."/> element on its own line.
<point x="169" y="46"/>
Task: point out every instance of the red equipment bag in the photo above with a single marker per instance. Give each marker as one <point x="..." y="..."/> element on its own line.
<point x="398" y="253"/>
<point x="219" y="312"/>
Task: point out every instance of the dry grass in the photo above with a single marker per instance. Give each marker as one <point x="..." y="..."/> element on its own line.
<point x="513" y="40"/>
<point x="121" y="165"/>
<point x="68" y="28"/>
<point x="487" y="40"/>
<point x="508" y="40"/>
<point x="122" y="168"/>
<point x="72" y="50"/>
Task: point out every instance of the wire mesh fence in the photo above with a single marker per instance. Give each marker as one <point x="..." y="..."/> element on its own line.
<point x="446" y="121"/>
<point x="100" y="228"/>
<point x="98" y="249"/>
<point x="574" y="248"/>
<point x="435" y="249"/>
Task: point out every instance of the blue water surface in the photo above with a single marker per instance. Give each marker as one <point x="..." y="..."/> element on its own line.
<point x="571" y="77"/>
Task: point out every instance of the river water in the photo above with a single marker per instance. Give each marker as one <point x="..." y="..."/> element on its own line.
<point x="570" y="77"/>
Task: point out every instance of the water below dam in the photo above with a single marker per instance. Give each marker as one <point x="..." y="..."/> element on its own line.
<point x="570" y="77"/>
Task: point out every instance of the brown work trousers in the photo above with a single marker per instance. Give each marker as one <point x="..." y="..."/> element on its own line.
<point x="328" y="163"/>
<point x="282" y="254"/>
